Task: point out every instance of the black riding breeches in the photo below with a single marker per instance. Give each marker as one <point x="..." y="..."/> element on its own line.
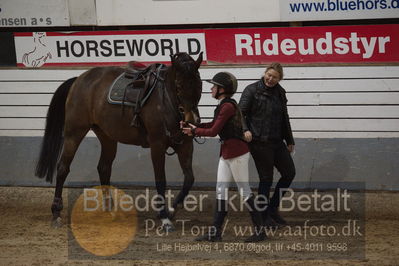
<point x="267" y="155"/>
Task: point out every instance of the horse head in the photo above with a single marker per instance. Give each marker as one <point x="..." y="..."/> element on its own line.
<point x="188" y="84"/>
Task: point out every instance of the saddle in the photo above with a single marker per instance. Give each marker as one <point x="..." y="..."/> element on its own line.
<point x="134" y="86"/>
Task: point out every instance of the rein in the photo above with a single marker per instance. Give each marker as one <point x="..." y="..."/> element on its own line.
<point x="200" y="142"/>
<point x="178" y="116"/>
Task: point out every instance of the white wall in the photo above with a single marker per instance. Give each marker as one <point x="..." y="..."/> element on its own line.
<point x="39" y="13"/>
<point x="154" y="12"/>
<point x="324" y="102"/>
<point x="305" y="10"/>
<point x="52" y="13"/>
<point x="82" y="12"/>
<point x="149" y="12"/>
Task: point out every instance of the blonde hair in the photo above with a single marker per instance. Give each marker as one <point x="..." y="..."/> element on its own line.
<point x="277" y="67"/>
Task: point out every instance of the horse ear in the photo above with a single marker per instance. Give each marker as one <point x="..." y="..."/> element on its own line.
<point x="172" y="56"/>
<point x="199" y="60"/>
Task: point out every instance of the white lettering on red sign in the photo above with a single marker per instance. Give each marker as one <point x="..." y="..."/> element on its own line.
<point x="249" y="45"/>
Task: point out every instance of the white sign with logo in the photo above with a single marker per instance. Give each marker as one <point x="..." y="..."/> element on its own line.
<point x="37" y="13"/>
<point x="39" y="48"/>
<point x="303" y="10"/>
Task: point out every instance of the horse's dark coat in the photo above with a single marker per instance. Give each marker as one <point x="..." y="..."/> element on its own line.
<point x="80" y="104"/>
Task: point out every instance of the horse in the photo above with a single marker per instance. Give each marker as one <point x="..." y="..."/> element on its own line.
<point x="80" y="104"/>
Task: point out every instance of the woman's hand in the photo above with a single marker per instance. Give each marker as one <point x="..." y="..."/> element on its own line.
<point x="188" y="130"/>
<point x="291" y="148"/>
<point x="182" y="124"/>
<point x="248" y="136"/>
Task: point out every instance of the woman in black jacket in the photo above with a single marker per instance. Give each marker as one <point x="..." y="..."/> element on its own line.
<point x="268" y="131"/>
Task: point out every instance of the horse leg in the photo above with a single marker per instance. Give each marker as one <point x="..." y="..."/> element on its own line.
<point x="185" y="155"/>
<point x="104" y="167"/>
<point x="71" y="144"/>
<point x="158" y="161"/>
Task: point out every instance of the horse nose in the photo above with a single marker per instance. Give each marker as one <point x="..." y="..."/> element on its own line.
<point x="191" y="117"/>
<point x="197" y="119"/>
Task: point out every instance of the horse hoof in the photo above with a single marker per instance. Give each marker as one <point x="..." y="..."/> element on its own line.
<point x="167" y="225"/>
<point x="57" y="223"/>
<point x="168" y="228"/>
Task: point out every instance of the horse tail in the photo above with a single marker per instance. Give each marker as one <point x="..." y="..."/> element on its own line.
<point x="53" y="135"/>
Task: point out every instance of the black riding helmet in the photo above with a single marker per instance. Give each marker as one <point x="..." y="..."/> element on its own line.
<point x="225" y="80"/>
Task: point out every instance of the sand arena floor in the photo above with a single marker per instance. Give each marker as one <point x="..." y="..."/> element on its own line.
<point x="26" y="237"/>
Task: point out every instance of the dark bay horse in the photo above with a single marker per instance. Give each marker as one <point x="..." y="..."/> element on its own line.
<point x="80" y="104"/>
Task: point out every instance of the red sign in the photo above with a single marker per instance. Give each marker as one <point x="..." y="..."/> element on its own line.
<point x="288" y="45"/>
<point x="297" y="45"/>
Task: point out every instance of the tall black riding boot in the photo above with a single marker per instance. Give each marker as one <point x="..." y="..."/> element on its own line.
<point x="267" y="221"/>
<point x="275" y="215"/>
<point x="256" y="218"/>
<point x="264" y="194"/>
<point x="214" y="234"/>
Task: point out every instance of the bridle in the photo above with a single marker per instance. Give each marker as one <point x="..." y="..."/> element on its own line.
<point x="168" y="107"/>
